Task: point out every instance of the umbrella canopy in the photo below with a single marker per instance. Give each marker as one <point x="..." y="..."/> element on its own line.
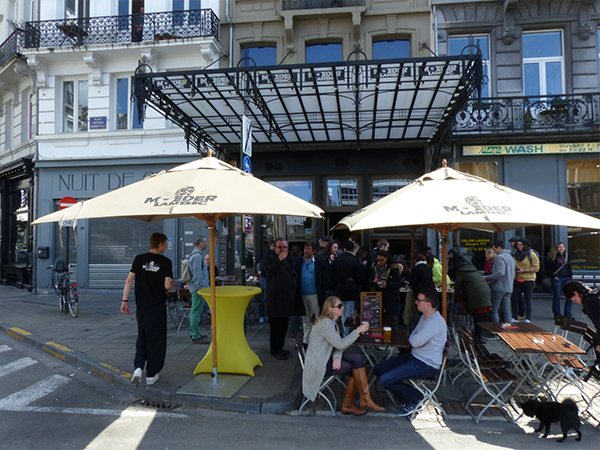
<point x="447" y="199"/>
<point x="208" y="189"/>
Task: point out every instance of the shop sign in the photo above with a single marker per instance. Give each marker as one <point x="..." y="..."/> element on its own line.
<point x="476" y="245"/>
<point x="531" y="149"/>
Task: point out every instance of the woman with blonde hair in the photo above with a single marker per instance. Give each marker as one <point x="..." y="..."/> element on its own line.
<point x="490" y="256"/>
<point x="325" y="356"/>
<point x="560" y="272"/>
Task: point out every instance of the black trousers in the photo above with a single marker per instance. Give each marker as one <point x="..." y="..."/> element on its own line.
<point x="278" y="327"/>
<point x="151" y="344"/>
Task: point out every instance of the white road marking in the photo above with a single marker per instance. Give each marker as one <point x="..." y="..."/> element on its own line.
<point x="5" y="348"/>
<point x="120" y="434"/>
<point x="36" y="391"/>
<point x="15" y="366"/>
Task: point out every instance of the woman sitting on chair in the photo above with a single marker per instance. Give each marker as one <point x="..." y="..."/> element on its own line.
<point x="325" y="357"/>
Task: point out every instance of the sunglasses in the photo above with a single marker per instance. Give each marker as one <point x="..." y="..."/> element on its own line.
<point x="339" y="306"/>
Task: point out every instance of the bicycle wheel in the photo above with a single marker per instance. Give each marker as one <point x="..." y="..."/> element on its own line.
<point x="55" y="284"/>
<point x="73" y="301"/>
<point x="62" y="304"/>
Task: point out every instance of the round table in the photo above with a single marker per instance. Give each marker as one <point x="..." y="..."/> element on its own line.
<point x="234" y="355"/>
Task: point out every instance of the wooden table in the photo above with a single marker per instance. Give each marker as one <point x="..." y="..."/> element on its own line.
<point x="530" y="347"/>
<point x="515" y="327"/>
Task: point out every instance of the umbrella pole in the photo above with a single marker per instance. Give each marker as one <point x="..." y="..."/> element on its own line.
<point x="213" y="299"/>
<point x="444" y="235"/>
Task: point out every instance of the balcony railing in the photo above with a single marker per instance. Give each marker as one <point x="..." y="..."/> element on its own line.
<point x="122" y="29"/>
<point x="579" y="112"/>
<point x="11" y="47"/>
<point x="314" y="4"/>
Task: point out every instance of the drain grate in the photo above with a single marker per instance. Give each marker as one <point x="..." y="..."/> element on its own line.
<point x="158" y="404"/>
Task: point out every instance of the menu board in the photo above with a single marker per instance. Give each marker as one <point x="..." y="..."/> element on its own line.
<point x="370" y="309"/>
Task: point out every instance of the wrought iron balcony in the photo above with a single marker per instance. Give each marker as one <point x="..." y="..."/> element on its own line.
<point x="11" y="47"/>
<point x="514" y="115"/>
<point x="122" y="29"/>
<point x="289" y="5"/>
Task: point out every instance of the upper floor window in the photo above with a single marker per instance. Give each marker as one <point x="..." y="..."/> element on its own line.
<point x="342" y="192"/>
<point x="75" y="106"/>
<point x="127" y="112"/>
<point x="262" y="56"/>
<point x="77" y="9"/>
<point x="8" y="125"/>
<point x="317" y="53"/>
<point x="467" y="45"/>
<point x="543" y="63"/>
<point x="396" y="48"/>
<point x="186" y="5"/>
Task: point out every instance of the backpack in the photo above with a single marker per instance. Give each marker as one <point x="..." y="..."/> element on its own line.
<point x="186" y="275"/>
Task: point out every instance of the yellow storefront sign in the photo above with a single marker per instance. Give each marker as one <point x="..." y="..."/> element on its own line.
<point x="531" y="149"/>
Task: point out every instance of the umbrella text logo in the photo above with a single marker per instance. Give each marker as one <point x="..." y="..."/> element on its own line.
<point x="183" y="197"/>
<point x="474" y="205"/>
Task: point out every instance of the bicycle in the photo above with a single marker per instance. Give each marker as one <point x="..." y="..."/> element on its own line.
<point x="68" y="300"/>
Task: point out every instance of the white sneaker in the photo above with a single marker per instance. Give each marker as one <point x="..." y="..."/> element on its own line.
<point x="137" y="376"/>
<point x="152" y="380"/>
<point x="513" y="320"/>
<point x="527" y="321"/>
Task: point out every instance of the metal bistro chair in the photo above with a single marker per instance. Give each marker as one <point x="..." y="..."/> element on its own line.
<point x="325" y="385"/>
<point x="185" y="306"/>
<point x="428" y="391"/>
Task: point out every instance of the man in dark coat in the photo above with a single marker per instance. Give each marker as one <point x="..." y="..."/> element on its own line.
<point x="346" y="274"/>
<point x="283" y="299"/>
<point x="422" y="276"/>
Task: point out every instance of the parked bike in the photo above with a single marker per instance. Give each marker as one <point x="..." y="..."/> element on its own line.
<point x="68" y="300"/>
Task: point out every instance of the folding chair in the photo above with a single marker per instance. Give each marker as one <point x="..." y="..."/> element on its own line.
<point x="185" y="306"/>
<point x="493" y="381"/>
<point x="428" y="392"/>
<point x="324" y="384"/>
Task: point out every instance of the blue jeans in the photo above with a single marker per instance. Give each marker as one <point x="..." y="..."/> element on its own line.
<point x="196" y="314"/>
<point x="500" y="301"/>
<point x="521" y="305"/>
<point x="557" y="290"/>
<point x="393" y="372"/>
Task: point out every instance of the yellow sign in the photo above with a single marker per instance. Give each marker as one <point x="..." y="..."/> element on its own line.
<point x="530" y="149"/>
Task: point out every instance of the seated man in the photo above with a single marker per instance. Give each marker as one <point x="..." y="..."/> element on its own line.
<point x="427" y="341"/>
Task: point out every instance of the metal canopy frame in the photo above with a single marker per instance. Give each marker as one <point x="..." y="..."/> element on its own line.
<point x="345" y="104"/>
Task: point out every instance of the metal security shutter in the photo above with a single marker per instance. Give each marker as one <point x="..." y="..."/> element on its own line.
<point x="114" y="243"/>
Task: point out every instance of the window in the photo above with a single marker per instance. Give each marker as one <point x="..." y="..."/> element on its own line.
<point x="317" y="53"/>
<point x="127" y="112"/>
<point x="381" y="188"/>
<point x="294" y="228"/>
<point x="75" y="99"/>
<point x="456" y="46"/>
<point x="25" y="115"/>
<point x="543" y="64"/>
<point x="583" y="187"/>
<point x="342" y="192"/>
<point x="262" y="56"/>
<point x="598" y="43"/>
<point x="18" y="222"/>
<point x="300" y="188"/>
<point x="186" y="5"/>
<point x="397" y="48"/>
<point x="77" y="9"/>
<point x="8" y="126"/>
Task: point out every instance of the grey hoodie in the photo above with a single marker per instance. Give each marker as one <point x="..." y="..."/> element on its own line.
<point x="503" y="272"/>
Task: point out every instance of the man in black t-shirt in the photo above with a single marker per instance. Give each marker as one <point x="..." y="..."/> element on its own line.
<point x="153" y="275"/>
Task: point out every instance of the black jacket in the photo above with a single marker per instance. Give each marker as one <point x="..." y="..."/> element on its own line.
<point x="390" y="295"/>
<point x="321" y="280"/>
<point x="421" y="278"/>
<point x="346" y="274"/>
<point x="282" y="296"/>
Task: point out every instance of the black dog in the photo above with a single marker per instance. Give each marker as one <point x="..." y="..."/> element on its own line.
<point x="548" y="412"/>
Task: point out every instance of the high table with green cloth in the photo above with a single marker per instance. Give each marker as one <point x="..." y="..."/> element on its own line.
<point x="234" y="354"/>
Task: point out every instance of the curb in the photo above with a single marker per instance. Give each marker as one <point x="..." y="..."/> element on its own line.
<point x="277" y="404"/>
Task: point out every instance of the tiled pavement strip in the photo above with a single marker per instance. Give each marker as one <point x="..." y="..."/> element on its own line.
<point x="102" y="341"/>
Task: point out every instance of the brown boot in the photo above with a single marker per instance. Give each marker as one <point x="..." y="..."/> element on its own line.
<point x="363" y="390"/>
<point x="348" y="407"/>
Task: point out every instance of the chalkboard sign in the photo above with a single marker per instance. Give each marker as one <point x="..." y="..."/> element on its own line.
<point x="370" y="310"/>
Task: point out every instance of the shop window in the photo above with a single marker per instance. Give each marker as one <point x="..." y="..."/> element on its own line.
<point x="382" y="188"/>
<point x="289" y="227"/>
<point x="318" y="53"/>
<point x="75" y="106"/>
<point x="395" y="48"/>
<point x="343" y="192"/>
<point x="127" y="112"/>
<point x="458" y="45"/>
<point x="543" y="64"/>
<point x="487" y="170"/>
<point x="19" y="225"/>
<point x="260" y="55"/>
<point x="583" y="184"/>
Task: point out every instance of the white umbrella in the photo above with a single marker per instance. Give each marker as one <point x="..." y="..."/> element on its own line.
<point x="207" y="188"/>
<point x="447" y="199"/>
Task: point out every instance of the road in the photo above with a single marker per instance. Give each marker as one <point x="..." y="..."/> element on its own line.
<point x="45" y="403"/>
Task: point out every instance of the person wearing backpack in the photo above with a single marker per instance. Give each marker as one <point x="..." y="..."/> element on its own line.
<point x="200" y="279"/>
<point x="527" y="263"/>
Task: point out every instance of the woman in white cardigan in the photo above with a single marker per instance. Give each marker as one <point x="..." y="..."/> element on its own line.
<point x="325" y="357"/>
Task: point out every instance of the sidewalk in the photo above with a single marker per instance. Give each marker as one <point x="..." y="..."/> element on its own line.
<point x="101" y="340"/>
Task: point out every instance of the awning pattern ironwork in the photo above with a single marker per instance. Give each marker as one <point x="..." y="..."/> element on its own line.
<point x="353" y="102"/>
